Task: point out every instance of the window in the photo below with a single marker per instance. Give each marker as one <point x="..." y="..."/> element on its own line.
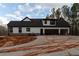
<point x="20" y="30"/>
<point x="45" y="21"/>
<point x="28" y="29"/>
<point x="52" y="22"/>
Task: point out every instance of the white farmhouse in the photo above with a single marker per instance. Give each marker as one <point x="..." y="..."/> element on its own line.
<point x="39" y="27"/>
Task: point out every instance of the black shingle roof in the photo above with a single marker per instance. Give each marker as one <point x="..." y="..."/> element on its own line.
<point x="37" y="23"/>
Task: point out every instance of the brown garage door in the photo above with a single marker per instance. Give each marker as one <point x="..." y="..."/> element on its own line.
<point x="51" y="31"/>
<point x="64" y="31"/>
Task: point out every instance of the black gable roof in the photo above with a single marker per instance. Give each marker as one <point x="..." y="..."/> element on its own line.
<point x="38" y="23"/>
<point x="62" y="23"/>
<point x="32" y="23"/>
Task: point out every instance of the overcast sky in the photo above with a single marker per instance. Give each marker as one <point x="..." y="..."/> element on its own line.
<point x="17" y="11"/>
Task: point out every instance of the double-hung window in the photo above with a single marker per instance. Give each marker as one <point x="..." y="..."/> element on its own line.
<point x="28" y="29"/>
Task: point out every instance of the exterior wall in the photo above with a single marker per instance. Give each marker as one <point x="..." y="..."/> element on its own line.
<point x="32" y="30"/>
<point x="35" y="30"/>
<point x="15" y="30"/>
<point x="24" y="30"/>
<point x="48" y="22"/>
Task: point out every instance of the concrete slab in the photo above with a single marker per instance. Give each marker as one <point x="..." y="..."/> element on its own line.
<point x="74" y="51"/>
<point x="17" y="53"/>
<point x="61" y="53"/>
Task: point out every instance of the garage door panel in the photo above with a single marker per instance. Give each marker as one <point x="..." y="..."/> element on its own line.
<point x="51" y="31"/>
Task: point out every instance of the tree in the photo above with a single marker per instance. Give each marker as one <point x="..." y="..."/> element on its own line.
<point x="71" y="14"/>
<point x="75" y="21"/>
<point x="55" y="14"/>
<point x="3" y="30"/>
<point x="66" y="12"/>
<point x="52" y="15"/>
<point x="58" y="13"/>
<point x="47" y="17"/>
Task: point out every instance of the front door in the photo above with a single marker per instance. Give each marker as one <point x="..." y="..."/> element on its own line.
<point x="41" y="31"/>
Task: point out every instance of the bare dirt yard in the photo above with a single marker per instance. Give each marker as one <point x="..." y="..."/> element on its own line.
<point x="42" y="45"/>
<point x="6" y="41"/>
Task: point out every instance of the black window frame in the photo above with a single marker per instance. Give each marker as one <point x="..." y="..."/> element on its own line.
<point x="45" y="22"/>
<point x="20" y="29"/>
<point x="52" y="22"/>
<point x="28" y="29"/>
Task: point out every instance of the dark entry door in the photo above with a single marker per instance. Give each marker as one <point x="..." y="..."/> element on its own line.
<point x="41" y="31"/>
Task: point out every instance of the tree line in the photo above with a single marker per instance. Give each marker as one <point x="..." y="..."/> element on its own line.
<point x="70" y="14"/>
<point x="3" y="30"/>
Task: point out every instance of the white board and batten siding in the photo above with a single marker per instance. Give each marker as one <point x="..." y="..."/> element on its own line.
<point x="32" y="30"/>
<point x="15" y="30"/>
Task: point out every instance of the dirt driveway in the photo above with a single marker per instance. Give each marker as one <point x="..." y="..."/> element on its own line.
<point x="44" y="45"/>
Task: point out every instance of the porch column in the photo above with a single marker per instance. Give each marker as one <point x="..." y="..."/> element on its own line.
<point x="59" y="31"/>
<point x="43" y="31"/>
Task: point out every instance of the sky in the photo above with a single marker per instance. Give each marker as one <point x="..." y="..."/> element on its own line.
<point x="17" y="11"/>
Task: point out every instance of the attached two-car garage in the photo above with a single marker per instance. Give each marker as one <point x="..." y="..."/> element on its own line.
<point x="55" y="31"/>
